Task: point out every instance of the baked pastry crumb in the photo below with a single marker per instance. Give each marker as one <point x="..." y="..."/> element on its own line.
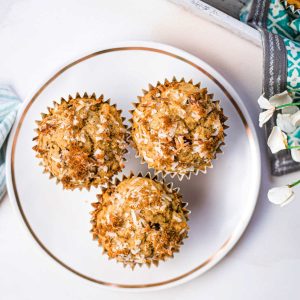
<point x="177" y="127"/>
<point x="296" y="3"/>
<point x="82" y="141"/>
<point x="139" y="221"/>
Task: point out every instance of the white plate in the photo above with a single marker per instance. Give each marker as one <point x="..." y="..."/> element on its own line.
<point x="222" y="201"/>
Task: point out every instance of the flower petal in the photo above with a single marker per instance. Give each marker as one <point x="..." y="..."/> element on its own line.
<point x="280" y="99"/>
<point x="290" y="199"/>
<point x="265" y="116"/>
<point x="264" y="103"/>
<point x="281" y="195"/>
<point x="295" y="153"/>
<point x="290" y="110"/>
<point x="284" y="122"/>
<point x="277" y="140"/>
<point x="295" y="118"/>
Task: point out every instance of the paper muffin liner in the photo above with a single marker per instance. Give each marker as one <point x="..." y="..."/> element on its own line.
<point x="291" y="8"/>
<point x="51" y="110"/>
<point x="164" y="173"/>
<point x="169" y="187"/>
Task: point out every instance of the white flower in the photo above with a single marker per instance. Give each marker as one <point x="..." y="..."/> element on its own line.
<point x="295" y="153"/>
<point x="281" y="195"/>
<point x="289" y="110"/>
<point x="277" y="140"/>
<point x="280" y="99"/>
<point x="265" y="116"/>
<point x="295" y="118"/>
<point x="284" y="122"/>
<point x="269" y="110"/>
<point x="271" y="104"/>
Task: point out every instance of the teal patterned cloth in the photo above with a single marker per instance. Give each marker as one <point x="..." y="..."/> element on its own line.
<point x="9" y="104"/>
<point x="282" y="23"/>
<point x="293" y="67"/>
<point x="279" y="24"/>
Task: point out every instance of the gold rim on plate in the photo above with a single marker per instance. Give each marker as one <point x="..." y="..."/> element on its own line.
<point x="15" y="138"/>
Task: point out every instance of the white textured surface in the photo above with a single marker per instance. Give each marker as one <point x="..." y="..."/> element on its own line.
<point x="38" y="37"/>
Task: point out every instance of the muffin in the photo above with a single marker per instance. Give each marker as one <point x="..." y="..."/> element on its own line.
<point x="177" y="128"/>
<point x="140" y="221"/>
<point x="295" y="3"/>
<point x="81" y="141"/>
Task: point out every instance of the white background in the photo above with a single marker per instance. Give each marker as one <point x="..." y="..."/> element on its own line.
<point x="37" y="37"/>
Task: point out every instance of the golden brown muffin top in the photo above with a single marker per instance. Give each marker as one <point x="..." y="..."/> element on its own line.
<point x="177" y="128"/>
<point x="139" y="221"/>
<point x="81" y="142"/>
<point x="296" y="3"/>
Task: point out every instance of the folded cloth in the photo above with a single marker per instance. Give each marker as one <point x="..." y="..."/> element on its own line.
<point x="9" y="104"/>
<point x="279" y="24"/>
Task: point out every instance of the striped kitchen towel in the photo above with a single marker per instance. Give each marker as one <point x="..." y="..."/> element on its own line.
<point x="9" y="104"/>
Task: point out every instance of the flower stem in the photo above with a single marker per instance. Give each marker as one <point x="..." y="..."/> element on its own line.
<point x="288" y="104"/>
<point x="293" y="147"/>
<point x="294" y="183"/>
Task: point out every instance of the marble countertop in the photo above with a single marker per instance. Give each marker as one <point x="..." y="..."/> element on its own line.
<point x="39" y="37"/>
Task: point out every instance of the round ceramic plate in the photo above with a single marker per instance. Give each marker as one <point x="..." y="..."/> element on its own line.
<point x="221" y="201"/>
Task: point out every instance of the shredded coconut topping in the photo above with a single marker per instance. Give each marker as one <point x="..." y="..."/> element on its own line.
<point x="82" y="142"/>
<point x="139" y="221"/>
<point x="295" y="3"/>
<point x="179" y="130"/>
